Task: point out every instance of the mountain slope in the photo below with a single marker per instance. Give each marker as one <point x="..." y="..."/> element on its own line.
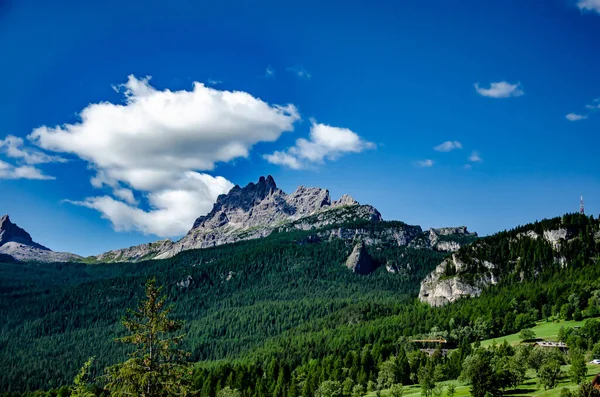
<point x="18" y="244"/>
<point x="233" y="297"/>
<point x="516" y="255"/>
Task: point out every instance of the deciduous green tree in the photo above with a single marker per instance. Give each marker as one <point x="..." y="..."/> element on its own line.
<point x="578" y="369"/>
<point x="549" y="373"/>
<point x="397" y="390"/>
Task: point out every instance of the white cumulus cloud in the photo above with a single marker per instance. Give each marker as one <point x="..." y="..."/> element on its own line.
<point x="173" y="209"/>
<point x="589" y="5"/>
<point x="325" y="143"/>
<point x="575" y="117"/>
<point x="501" y="89"/>
<point x="155" y="145"/>
<point x="448" y="146"/>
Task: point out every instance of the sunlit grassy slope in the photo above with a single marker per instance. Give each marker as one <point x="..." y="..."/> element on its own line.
<point x="530" y="387"/>
<point x="544" y="330"/>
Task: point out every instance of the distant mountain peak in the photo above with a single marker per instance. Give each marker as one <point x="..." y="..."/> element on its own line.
<point x="10" y="232"/>
<point x="17" y="243"/>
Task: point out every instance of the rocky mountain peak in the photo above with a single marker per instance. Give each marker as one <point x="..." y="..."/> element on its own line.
<point x="238" y="201"/>
<point x="255" y="211"/>
<point x="17" y="243"/>
<point x="345" y="200"/>
<point x="10" y="232"/>
<point x="263" y="203"/>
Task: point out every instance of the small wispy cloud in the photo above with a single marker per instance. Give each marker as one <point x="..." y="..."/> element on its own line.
<point x="9" y="171"/>
<point x="14" y="147"/>
<point x="475" y="157"/>
<point x="448" y="146"/>
<point x="425" y="163"/>
<point x="300" y="72"/>
<point x="501" y="89"/>
<point x="575" y="117"/>
<point x="269" y="72"/>
<point x="468" y="166"/>
<point x="595" y="105"/>
<point x="213" y="82"/>
<point x="589" y="5"/>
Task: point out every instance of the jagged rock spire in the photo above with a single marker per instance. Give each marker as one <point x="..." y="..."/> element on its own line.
<point x="11" y="232"/>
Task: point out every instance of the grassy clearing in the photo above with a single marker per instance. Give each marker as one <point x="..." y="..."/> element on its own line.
<point x="529" y="387"/>
<point x="544" y="330"/>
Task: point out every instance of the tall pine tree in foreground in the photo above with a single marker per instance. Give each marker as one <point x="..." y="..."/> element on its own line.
<point x="157" y="368"/>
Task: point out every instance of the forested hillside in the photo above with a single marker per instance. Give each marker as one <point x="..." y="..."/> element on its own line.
<point x="233" y="299"/>
<point x="282" y="316"/>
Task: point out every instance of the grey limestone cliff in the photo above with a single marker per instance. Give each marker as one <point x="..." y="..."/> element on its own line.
<point x="437" y="289"/>
<point x="359" y="260"/>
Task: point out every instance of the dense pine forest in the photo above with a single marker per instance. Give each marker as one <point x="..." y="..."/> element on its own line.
<point x="282" y="316"/>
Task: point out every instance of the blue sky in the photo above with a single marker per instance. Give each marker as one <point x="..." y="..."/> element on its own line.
<point x="354" y="98"/>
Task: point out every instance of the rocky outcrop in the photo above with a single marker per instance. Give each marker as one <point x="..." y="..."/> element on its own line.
<point x="438" y="288"/>
<point x="18" y="244"/>
<point x="345" y="200"/>
<point x="554" y="237"/>
<point x="359" y="260"/>
<point x="449" y="231"/>
<point x="446" y="239"/>
<point x="135" y="253"/>
<point x="393" y="235"/>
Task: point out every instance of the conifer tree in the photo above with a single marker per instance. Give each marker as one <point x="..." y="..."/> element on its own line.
<point x="156" y="368"/>
<point x="80" y="386"/>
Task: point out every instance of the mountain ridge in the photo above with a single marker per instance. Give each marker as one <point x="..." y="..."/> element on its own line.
<point x="256" y="211"/>
<point x="261" y="208"/>
<point x="245" y="213"/>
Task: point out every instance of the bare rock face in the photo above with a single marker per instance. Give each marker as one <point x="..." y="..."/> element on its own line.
<point x="345" y="200"/>
<point x="438" y="290"/>
<point x="400" y="236"/>
<point x="359" y="260"/>
<point x="443" y="239"/>
<point x="447" y="231"/>
<point x="135" y="253"/>
<point x="554" y="237"/>
<point x="18" y="244"/>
